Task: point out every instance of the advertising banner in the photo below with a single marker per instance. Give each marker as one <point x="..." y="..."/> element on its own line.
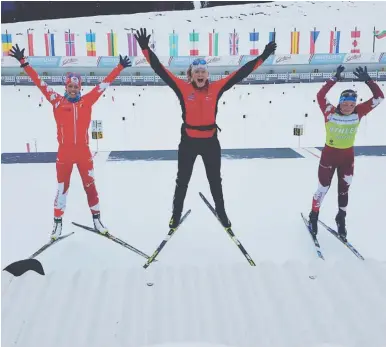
<point x="78" y="62"/>
<point x="291" y="59"/>
<point x="361" y="58"/>
<point x="324" y="59"/>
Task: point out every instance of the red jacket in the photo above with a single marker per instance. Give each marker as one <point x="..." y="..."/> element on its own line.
<point x="199" y="106"/>
<point x="72" y="119"/>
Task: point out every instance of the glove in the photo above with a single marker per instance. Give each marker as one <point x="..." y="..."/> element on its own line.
<point x="339" y="70"/>
<point x="124" y="61"/>
<point x="142" y="39"/>
<point x="269" y="49"/>
<point x="18" y="54"/>
<point x="362" y="75"/>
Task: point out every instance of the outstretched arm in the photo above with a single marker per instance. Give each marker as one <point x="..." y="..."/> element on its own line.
<point x="98" y="90"/>
<point x="237" y="76"/>
<point x="366" y="107"/>
<point x="47" y="91"/>
<point x="170" y="79"/>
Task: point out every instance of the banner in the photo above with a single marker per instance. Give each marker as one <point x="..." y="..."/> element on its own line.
<point x="246" y="58"/>
<point x="8" y="61"/>
<point x="44" y="61"/>
<point x="322" y="59"/>
<point x="223" y="61"/>
<point x="78" y="62"/>
<point x="382" y="58"/>
<point x="291" y="59"/>
<point x="109" y="62"/>
<point x="357" y="58"/>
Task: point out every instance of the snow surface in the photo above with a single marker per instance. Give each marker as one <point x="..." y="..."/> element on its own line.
<point x="204" y="293"/>
<point x="283" y="16"/>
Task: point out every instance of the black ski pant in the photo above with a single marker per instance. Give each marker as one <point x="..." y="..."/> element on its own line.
<point x="210" y="151"/>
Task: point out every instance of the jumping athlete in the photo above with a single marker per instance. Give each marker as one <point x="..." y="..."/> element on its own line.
<point x="341" y="123"/>
<point x="72" y="114"/>
<point x="199" y="100"/>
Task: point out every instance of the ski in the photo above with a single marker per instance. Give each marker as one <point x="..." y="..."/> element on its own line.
<point x="49" y="244"/>
<point x="314" y="239"/>
<point x="20" y="267"/>
<point x="165" y="240"/>
<point x="113" y="238"/>
<point x="229" y="231"/>
<point x="346" y="243"/>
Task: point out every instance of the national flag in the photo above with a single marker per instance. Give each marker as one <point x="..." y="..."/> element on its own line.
<point x="380" y="34"/>
<point x="254" y="37"/>
<point x="213" y="44"/>
<point x="6" y="40"/>
<point x="355" y="36"/>
<point x="295" y="36"/>
<point x="152" y="43"/>
<point x="112" y="44"/>
<point x="173" y="44"/>
<point x="313" y="37"/>
<point x="233" y="43"/>
<point x="132" y="42"/>
<point x="70" y="44"/>
<point x="49" y="40"/>
<point x="334" y="41"/>
<point x="272" y="36"/>
<point x="30" y="38"/>
<point x="193" y="38"/>
<point x="90" y="43"/>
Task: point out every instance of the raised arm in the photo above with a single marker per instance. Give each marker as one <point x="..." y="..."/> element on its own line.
<point x="98" y="90"/>
<point x="47" y="91"/>
<point x="170" y="79"/>
<point x="325" y="106"/>
<point x="237" y="76"/>
<point x="366" y="107"/>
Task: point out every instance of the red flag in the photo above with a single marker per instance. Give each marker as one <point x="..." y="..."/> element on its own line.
<point x="355" y="36"/>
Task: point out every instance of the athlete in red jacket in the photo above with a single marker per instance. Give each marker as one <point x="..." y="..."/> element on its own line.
<point x="341" y="124"/>
<point x="199" y="99"/>
<point x="72" y="114"/>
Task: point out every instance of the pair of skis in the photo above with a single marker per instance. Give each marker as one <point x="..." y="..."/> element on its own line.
<point x="334" y="233"/>
<point x="173" y="230"/>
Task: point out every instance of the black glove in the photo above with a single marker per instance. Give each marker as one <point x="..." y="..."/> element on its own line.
<point x="339" y="70"/>
<point x="142" y="39"/>
<point x="124" y="61"/>
<point x="362" y="75"/>
<point x="269" y="49"/>
<point x="18" y="54"/>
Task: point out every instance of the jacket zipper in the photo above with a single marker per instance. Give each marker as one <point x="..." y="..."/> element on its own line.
<point x="75" y="119"/>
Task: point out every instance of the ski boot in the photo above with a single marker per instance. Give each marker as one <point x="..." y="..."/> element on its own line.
<point x="98" y="225"/>
<point x="340" y="220"/>
<point x="222" y="216"/>
<point x="313" y="222"/>
<point x="57" y="229"/>
<point x="175" y="220"/>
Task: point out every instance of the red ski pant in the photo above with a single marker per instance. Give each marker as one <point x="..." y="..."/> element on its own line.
<point x="82" y="158"/>
<point x="342" y="161"/>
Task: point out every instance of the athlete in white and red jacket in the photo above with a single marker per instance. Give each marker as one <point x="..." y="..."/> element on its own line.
<point x="72" y="114"/>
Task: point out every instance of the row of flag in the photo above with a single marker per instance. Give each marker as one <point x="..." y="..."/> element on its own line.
<point x="194" y="37"/>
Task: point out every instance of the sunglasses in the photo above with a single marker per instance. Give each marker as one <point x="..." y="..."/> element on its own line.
<point x="199" y="62"/>
<point x="347" y="94"/>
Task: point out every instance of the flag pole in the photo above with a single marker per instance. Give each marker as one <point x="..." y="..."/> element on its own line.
<point x="374" y="40"/>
